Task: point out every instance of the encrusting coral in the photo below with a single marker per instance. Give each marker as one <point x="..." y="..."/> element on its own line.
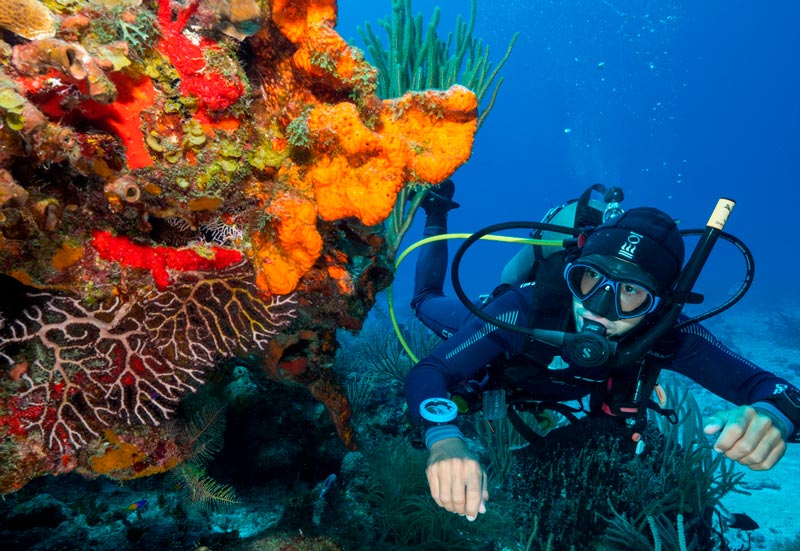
<point x="181" y="184"/>
<point x="27" y="18"/>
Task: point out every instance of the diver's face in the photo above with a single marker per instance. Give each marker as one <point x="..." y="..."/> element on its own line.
<point x="613" y="328"/>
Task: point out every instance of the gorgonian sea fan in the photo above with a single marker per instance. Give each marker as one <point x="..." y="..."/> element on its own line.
<point x="131" y="359"/>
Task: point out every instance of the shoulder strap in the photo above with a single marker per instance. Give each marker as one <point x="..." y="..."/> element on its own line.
<point x="551" y="292"/>
<point x="550" y="309"/>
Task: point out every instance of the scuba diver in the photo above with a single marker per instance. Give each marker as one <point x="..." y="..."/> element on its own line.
<point x="611" y="291"/>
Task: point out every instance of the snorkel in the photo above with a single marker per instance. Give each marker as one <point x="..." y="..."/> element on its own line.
<point x="682" y="292"/>
<point x="590" y="347"/>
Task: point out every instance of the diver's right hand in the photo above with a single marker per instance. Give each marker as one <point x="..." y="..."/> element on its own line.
<point x="456" y="479"/>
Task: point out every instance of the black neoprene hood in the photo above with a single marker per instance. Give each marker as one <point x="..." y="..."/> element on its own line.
<point x="642" y="245"/>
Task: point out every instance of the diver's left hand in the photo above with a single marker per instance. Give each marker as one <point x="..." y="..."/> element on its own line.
<point x="747" y="436"/>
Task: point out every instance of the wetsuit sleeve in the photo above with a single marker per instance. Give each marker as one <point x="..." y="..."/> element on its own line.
<point x="474" y="345"/>
<point x="717" y="368"/>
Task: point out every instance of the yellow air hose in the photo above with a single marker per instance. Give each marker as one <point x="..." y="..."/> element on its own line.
<point x="433" y="238"/>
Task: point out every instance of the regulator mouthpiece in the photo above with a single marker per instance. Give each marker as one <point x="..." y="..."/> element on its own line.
<point x="590" y="347"/>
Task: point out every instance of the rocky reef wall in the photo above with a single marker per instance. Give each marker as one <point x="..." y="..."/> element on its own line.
<point x="183" y="183"/>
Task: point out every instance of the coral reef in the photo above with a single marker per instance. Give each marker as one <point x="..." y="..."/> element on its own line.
<point x="181" y="184"/>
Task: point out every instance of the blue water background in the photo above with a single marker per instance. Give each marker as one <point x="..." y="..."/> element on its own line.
<point x="678" y="102"/>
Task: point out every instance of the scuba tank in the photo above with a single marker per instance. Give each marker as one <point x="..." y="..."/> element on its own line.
<point x="582" y="212"/>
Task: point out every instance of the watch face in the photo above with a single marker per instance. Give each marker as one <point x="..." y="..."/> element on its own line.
<point x="438" y="410"/>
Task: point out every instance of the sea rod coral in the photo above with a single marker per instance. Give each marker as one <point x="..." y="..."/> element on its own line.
<point x="182" y="183"/>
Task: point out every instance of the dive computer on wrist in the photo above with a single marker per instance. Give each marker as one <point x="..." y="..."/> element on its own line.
<point x="438" y="411"/>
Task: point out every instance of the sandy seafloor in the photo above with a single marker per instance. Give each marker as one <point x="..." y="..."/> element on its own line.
<point x="774" y="495"/>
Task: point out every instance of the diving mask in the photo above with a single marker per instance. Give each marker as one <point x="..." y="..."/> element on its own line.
<point x="611" y="298"/>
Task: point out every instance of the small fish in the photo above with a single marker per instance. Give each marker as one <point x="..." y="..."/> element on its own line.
<point x="327" y="485"/>
<point x="135" y="506"/>
<point x="742" y="522"/>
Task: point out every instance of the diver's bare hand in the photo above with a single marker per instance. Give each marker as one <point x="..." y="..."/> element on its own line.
<point x="747" y="436"/>
<point x="456" y="479"/>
